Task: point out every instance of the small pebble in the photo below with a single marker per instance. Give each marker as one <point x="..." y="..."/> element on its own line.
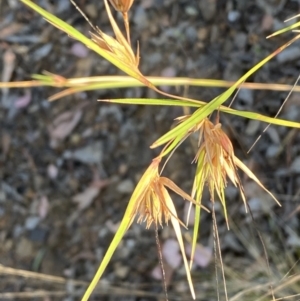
<point x="24" y="248"/>
<point x="290" y="54"/>
<point x="79" y="50"/>
<point x="121" y="271"/>
<point x="202" y="33"/>
<point x="273" y="151"/>
<point x="233" y="16"/>
<point x="273" y="134"/>
<point x="52" y="171"/>
<point x="252" y="127"/>
<point x="31" y="222"/>
<point x="125" y="186"/>
<point x="246" y="95"/>
<point x="295" y="166"/>
<point x="62" y="6"/>
<point x="90" y="154"/>
<point x="191" y="11"/>
<point x="91" y="10"/>
<point x="231" y="192"/>
<point x="38" y="234"/>
<point x="42" y="52"/>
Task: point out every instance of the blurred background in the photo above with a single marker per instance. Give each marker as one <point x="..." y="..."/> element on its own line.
<point x="68" y="168"/>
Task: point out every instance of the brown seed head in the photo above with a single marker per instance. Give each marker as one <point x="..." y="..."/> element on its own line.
<point x="218" y="155"/>
<point x="152" y="198"/>
<point x="122" y="6"/>
<point x="216" y="162"/>
<point x="118" y="47"/>
<point x="151" y="202"/>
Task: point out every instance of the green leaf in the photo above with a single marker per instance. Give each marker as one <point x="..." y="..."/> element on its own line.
<point x="154" y="102"/>
<point x="207" y="109"/>
<point x="285" y="29"/>
<point x="175" y="102"/>
<point x="198" y="186"/>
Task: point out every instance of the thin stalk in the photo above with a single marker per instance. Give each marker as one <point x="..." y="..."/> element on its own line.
<point x="126" y="24"/>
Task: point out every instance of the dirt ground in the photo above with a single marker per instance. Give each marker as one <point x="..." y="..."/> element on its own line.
<point x="68" y="168"/>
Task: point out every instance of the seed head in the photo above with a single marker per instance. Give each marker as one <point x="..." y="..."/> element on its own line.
<point x="216" y="162"/>
<point x="153" y="201"/>
<point x="119" y="47"/>
<point x="122" y="6"/>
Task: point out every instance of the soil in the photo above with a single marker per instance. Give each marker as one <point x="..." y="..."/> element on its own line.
<point x="68" y="167"/>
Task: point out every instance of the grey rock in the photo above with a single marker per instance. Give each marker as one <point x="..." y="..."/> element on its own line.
<point x="90" y="154"/>
<point x="272" y="151"/>
<point x="295" y="166"/>
<point x="233" y="16"/>
<point x="208" y="9"/>
<point x="246" y="96"/>
<point x="290" y="54"/>
<point x="140" y="18"/>
<point x="42" y="51"/>
<point x="24" y="248"/>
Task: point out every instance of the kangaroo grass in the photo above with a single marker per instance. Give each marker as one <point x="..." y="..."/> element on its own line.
<point x="151" y="202"/>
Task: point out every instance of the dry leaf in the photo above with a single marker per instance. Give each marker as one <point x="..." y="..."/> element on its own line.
<point x="9" y="59"/>
<point x="23" y="101"/>
<point x="171" y="253"/>
<point x="63" y="126"/>
<point x="9" y="65"/>
<point x="85" y="198"/>
<point x="267" y="22"/>
<point x="10" y="30"/>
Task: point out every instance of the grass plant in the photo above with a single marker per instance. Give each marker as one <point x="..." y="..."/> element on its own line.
<point x="215" y="158"/>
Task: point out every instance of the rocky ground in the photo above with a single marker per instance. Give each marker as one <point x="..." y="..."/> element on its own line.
<point x="67" y="168"/>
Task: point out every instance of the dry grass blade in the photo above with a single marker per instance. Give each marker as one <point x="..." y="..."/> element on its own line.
<point x="102" y="289"/>
<point x="39" y="276"/>
<point x="41" y="294"/>
<point x="160" y="258"/>
<point x="289" y="281"/>
<point x="278" y="112"/>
